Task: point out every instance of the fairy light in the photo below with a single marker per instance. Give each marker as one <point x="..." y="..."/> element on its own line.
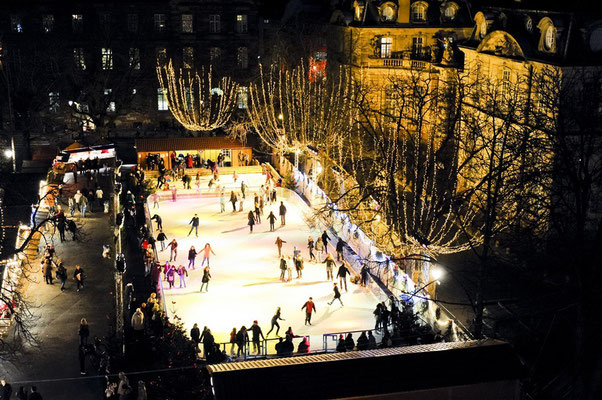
<point x="196" y="100"/>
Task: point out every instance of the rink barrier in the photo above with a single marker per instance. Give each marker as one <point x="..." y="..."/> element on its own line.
<point x="159" y="291"/>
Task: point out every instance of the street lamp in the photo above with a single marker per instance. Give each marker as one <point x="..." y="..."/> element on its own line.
<point x="8" y="153"/>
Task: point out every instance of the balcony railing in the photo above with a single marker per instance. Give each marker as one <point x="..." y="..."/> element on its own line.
<point x="411" y="59"/>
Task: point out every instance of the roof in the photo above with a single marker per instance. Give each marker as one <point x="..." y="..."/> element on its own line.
<point x="193" y="143"/>
<point x="393" y="370"/>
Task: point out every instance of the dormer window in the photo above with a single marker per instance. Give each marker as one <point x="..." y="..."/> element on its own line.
<point x="529" y="24"/>
<point x="419" y="11"/>
<point x="483" y="29"/>
<point x="449" y="10"/>
<point x="550" y="38"/>
<point x="547" y="41"/>
<point x="388" y="12"/>
<point x="358" y="10"/>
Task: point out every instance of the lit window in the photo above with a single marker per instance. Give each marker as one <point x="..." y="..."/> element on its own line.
<point x="214" y="23"/>
<point x="386" y="44"/>
<point x="450" y="12"/>
<point x="388" y="13"/>
<point x="550" y="38"/>
<point x="79" y="58"/>
<point x="16" y="23"/>
<point x="132" y="23"/>
<point x="188" y="57"/>
<point x="241" y="23"/>
<point x="109" y="101"/>
<point x="418" y="12"/>
<point x="417" y="49"/>
<point x="160" y="23"/>
<point x="77" y="23"/>
<point x="215" y="53"/>
<point x="162" y="104"/>
<point x="242" y="57"/>
<point x="107" y="58"/>
<point x="134" y="58"/>
<point x="48" y="23"/>
<point x="243" y="97"/>
<point x="187" y="24"/>
<point x="483" y="29"/>
<point x="53" y="100"/>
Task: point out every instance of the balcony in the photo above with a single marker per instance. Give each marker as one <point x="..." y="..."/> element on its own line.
<point x="421" y="58"/>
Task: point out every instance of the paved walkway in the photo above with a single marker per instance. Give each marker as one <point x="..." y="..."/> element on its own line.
<point x="54" y="367"/>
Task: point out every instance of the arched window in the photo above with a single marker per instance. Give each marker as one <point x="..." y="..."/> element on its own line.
<point x="419" y="11"/>
<point x="550" y="38"/>
<point x="547" y="41"/>
<point x="483" y="29"/>
<point x="449" y="10"/>
<point x="388" y="13"/>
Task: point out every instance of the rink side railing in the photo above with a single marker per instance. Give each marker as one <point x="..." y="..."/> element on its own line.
<point x="160" y="291"/>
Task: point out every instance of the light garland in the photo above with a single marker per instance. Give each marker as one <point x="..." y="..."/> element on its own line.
<point x="195" y="100"/>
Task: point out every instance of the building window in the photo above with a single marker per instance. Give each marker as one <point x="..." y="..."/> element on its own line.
<point x="48" y="23"/>
<point x="388" y="13"/>
<point x="417" y="49"/>
<point x="16" y="24"/>
<point x="450" y="12"/>
<point x="161" y="54"/>
<point x="505" y="85"/>
<point x="550" y="38"/>
<point x="160" y="23"/>
<point x="188" y="57"/>
<point x="242" y="57"/>
<point x="187" y="23"/>
<point x="243" y="97"/>
<point x="215" y="23"/>
<point x="107" y="58"/>
<point x="215" y="54"/>
<point x="134" y="58"/>
<point x="53" y="102"/>
<point x="108" y="100"/>
<point x="162" y="104"/>
<point x="133" y="23"/>
<point x="386" y="44"/>
<point x="105" y="22"/>
<point x="226" y="153"/>
<point x="77" y="23"/>
<point x="79" y="58"/>
<point x="483" y="29"/>
<point x="418" y="12"/>
<point x="241" y="23"/>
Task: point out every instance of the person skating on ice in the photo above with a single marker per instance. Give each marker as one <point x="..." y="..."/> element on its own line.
<point x="271" y="220"/>
<point x="182" y="273"/>
<point x="342" y="275"/>
<point x="325" y="241"/>
<point x="173" y="245"/>
<point x="207" y="251"/>
<point x="251" y="221"/>
<point x="283" y="267"/>
<point x="320" y="248"/>
<point x="222" y="201"/>
<point x="195" y="225"/>
<point x="282" y="210"/>
<point x="311" y="246"/>
<point x="337" y="295"/>
<point x="206" y="279"/>
<point x="330" y="264"/>
<point x="241" y="202"/>
<point x="278" y="244"/>
<point x="299" y="266"/>
<point x="339" y="248"/>
<point x="158" y="221"/>
<point x="310" y="308"/>
<point x="257" y="333"/>
<point x="289" y="269"/>
<point x="275" y="319"/>
<point x="233" y="200"/>
<point x="191" y="257"/>
<point x="162" y="238"/>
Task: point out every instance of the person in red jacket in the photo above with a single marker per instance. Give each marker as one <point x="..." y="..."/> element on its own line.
<point x="310" y="308"/>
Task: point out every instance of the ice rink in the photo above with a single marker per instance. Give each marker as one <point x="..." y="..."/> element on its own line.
<point x="245" y="272"/>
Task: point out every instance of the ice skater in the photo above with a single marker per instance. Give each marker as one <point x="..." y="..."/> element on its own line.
<point x="174" y="193"/>
<point x="283" y="268"/>
<point x="311" y="246"/>
<point x="191" y="257"/>
<point x="222" y="201"/>
<point x="329" y="266"/>
<point x="257" y="333"/>
<point x="243" y="187"/>
<point x="342" y="275"/>
<point x="171" y="276"/>
<point x="173" y="245"/>
<point x="162" y="238"/>
<point x="251" y="222"/>
<point x="271" y="220"/>
<point x="195" y="225"/>
<point x="155" y="200"/>
<point x="337" y="295"/>
<point x="234" y="176"/>
<point x="278" y="244"/>
<point x="339" y="248"/>
<point x="320" y="248"/>
<point x="310" y="308"/>
<point x="275" y="319"/>
<point x="233" y="200"/>
<point x="282" y="213"/>
<point x="325" y="241"/>
<point x="207" y="251"/>
<point x="182" y="273"/>
<point x="299" y="266"/>
<point x="158" y="221"/>
<point x="205" y="280"/>
<point x="241" y="201"/>
<point x="289" y="270"/>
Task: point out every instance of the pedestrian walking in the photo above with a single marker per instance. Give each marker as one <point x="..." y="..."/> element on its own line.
<point x="195" y="225"/>
<point x="339" y="248"/>
<point x="137" y="324"/>
<point x="99" y="195"/>
<point x="6" y="390"/>
<point x="275" y="319"/>
<point x="155" y="198"/>
<point x="170" y="274"/>
<point x="173" y="245"/>
<point x="222" y="201"/>
<point x="77" y="197"/>
<point x="142" y="395"/>
<point x="251" y="222"/>
<point x="282" y="213"/>
<point x="191" y="256"/>
<point x="330" y="264"/>
<point x="61" y="275"/>
<point x="123" y="389"/>
<point x="257" y="334"/>
<point x="195" y="335"/>
<point x="71" y="203"/>
<point x="35" y="395"/>
<point x="83" y="332"/>
<point x="278" y="244"/>
<point x="320" y="248"/>
<point x="342" y="275"/>
<point x="83" y="205"/>
<point x="233" y="200"/>
<point x="47" y="270"/>
<point x="162" y="238"/>
<point x="79" y="277"/>
<point x="271" y="220"/>
<point x="21" y="393"/>
<point x="205" y="280"/>
<point x="61" y="226"/>
<point x="337" y="294"/>
<point x="207" y="251"/>
<point x="158" y="221"/>
<point x="283" y="267"/>
<point x="182" y="274"/>
<point x="325" y="241"/>
<point x="311" y="246"/>
<point x="310" y="308"/>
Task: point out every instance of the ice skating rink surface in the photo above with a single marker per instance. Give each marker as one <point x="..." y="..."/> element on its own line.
<point x="245" y="271"/>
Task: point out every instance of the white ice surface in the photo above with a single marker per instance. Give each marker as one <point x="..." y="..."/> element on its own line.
<point x="245" y="272"/>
